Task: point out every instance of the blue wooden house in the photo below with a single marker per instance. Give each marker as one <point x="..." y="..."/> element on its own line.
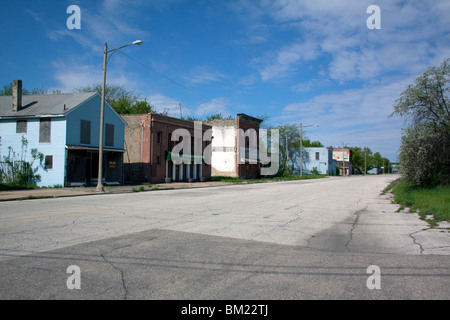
<point x="65" y="128"/>
<point x="314" y="159"/>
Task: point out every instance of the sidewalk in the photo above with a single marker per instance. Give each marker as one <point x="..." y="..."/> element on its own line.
<point x="42" y="193"/>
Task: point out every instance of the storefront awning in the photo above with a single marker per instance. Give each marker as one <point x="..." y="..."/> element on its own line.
<point x="84" y="148"/>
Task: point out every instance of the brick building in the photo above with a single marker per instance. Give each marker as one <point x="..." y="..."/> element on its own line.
<point x="235" y="147"/>
<point x="343" y="157"/>
<point x="149" y="148"/>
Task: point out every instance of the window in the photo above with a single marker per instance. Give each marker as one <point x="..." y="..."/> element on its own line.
<point x="158" y="160"/>
<point x="159" y="137"/>
<point x="21" y="126"/>
<point x="85" y="132"/>
<point x="48" y="162"/>
<point x="109" y="135"/>
<point x="45" y="131"/>
<point x="317" y="155"/>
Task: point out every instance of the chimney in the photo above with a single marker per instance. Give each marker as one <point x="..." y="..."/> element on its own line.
<point x="17" y="95"/>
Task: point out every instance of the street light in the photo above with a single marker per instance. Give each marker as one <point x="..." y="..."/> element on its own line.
<point x="102" y="109"/>
<point x="301" y="146"/>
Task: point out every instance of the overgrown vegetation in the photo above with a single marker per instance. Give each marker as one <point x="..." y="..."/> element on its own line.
<point x="16" y="170"/>
<point x="425" y="148"/>
<point x="425" y="200"/>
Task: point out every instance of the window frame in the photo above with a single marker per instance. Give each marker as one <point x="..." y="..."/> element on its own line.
<point x="83" y="129"/>
<point x="48" y="159"/>
<point x="109" y="136"/>
<point x="22" y="122"/>
<point x="42" y="134"/>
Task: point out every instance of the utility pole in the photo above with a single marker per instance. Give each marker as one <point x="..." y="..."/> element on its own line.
<point x="287" y="152"/>
<point x="343" y="160"/>
<point x="365" y="160"/>
<point x="301" y="150"/>
<point x="301" y="146"/>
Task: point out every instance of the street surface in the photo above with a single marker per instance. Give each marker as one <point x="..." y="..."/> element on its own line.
<point x="310" y="239"/>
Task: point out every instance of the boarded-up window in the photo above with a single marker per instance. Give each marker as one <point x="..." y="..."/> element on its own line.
<point x="48" y="162"/>
<point x="109" y="135"/>
<point x="21" y="126"/>
<point x="45" y="131"/>
<point x="85" y="132"/>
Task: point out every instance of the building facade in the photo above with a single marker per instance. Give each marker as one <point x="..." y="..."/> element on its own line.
<point x="152" y="143"/>
<point x="343" y="157"/>
<point x="235" y="147"/>
<point x="65" y="128"/>
<point x="315" y="160"/>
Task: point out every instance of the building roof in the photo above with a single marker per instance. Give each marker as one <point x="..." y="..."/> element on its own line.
<point x="43" y="104"/>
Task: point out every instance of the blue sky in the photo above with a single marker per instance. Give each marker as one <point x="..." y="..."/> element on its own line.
<point x="310" y="62"/>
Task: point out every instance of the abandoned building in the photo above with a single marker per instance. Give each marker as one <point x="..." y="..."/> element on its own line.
<point x="235" y="147"/>
<point x="343" y="158"/>
<point x="149" y="155"/>
<point x="65" y="128"/>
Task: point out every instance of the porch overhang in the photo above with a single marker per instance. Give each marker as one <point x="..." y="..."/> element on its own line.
<point x="85" y="148"/>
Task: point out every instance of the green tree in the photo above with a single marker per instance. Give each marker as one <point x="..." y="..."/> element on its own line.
<point x="289" y="145"/>
<point x="425" y="148"/>
<point x="7" y="91"/>
<point x="122" y="100"/>
<point x="117" y="96"/>
<point x="218" y="116"/>
<point x="312" y="144"/>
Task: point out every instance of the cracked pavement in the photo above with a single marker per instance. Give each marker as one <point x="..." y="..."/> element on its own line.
<point x="311" y="239"/>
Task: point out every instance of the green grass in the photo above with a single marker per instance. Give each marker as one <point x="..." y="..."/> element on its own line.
<point x="227" y="179"/>
<point x="141" y="188"/>
<point x="11" y="187"/>
<point x="434" y="200"/>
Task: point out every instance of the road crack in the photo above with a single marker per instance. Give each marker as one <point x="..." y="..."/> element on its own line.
<point x="121" y="272"/>
<point x="411" y="235"/>
<point x="358" y="214"/>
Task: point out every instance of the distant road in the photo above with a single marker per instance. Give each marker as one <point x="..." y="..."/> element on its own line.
<point x="310" y="239"/>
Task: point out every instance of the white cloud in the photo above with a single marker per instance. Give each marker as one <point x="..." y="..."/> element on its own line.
<point x="204" y="74"/>
<point x="72" y="74"/>
<point x="360" y="116"/>
<point x="170" y="105"/>
<point x="287" y="60"/>
<point x="335" y="33"/>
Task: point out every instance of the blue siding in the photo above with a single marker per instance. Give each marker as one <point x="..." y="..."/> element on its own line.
<point x="325" y="164"/>
<point x="56" y="147"/>
<point x="64" y="131"/>
<point x="90" y="110"/>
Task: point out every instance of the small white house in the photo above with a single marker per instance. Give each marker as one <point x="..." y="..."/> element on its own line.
<point x="65" y="128"/>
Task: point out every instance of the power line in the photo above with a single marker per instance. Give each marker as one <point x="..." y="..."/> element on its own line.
<point x="176" y="82"/>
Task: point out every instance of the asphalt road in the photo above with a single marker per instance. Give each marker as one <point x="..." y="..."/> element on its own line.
<point x="312" y="239"/>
